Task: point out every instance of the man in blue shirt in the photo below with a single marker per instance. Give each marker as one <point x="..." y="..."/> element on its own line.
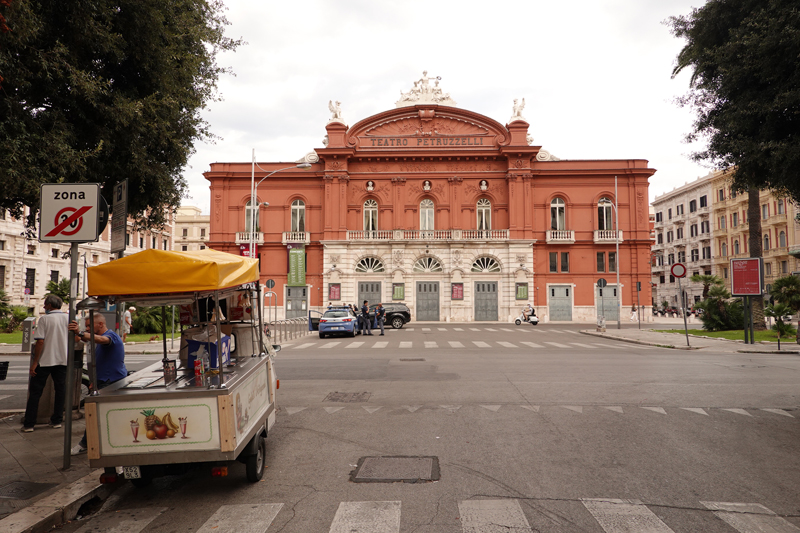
<point x="109" y="358"/>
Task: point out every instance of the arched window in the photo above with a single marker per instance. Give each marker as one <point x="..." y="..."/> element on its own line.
<point x="557" y="214"/>
<point x="427" y="264"/>
<point x="370" y="264"/>
<point x="298" y="215"/>
<point x="370" y="215"/>
<point x="604" y="214"/>
<point x="782" y="238"/>
<point x="486" y="264"/>
<point x="426" y="215"/>
<point x="251" y="217"/>
<point x="736" y="247"/>
<point x="484" y="214"/>
<point x="766" y="242"/>
<point x="724" y="249"/>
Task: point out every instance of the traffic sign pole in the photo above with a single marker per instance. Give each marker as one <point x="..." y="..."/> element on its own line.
<point x="73" y="294"/>
<point x="683" y="307"/>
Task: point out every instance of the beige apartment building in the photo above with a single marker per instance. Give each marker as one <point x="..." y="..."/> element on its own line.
<point x="191" y="229"/>
<point x="780" y="232"/>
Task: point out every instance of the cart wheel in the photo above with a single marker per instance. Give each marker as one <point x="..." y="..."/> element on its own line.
<point x="518" y="322"/>
<point x="255" y="463"/>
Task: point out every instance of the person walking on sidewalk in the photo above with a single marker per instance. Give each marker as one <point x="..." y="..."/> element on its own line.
<point x="49" y="359"/>
<point x="127" y="323"/>
<point x="365" y="319"/>
<point x="380" y="316"/>
<point x="109" y="358"/>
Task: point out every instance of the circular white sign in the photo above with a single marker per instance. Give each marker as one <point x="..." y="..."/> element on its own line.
<point x="678" y="270"/>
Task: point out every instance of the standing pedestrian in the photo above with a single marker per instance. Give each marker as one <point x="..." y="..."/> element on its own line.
<point x="380" y="316"/>
<point x="358" y="326"/>
<point x="109" y="358"/>
<point x="127" y="323"/>
<point x="633" y="314"/>
<point x="49" y="359"/>
<point x="365" y="318"/>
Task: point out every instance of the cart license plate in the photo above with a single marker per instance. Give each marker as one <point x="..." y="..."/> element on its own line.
<point x="132" y="472"/>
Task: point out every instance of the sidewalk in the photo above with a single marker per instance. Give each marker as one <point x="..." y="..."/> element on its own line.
<point x="678" y="341"/>
<point x="34" y="461"/>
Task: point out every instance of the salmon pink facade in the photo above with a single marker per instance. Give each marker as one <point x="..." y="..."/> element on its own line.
<point x="454" y="214"/>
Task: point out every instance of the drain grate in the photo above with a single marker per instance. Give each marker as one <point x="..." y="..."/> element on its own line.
<point x="396" y="468"/>
<point x="412" y="359"/>
<point x="347" y="397"/>
<point x="23" y="490"/>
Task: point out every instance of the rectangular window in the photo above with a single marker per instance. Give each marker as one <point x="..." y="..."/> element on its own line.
<point x="669" y="236"/>
<point x="127" y="239"/>
<point x="725" y="273"/>
<point x="165" y="244"/>
<point x="681" y="257"/>
<point x="31" y="249"/>
<point x="765" y="211"/>
<point x="695" y="255"/>
<point x="30" y="280"/>
<point x="679" y="209"/>
<point x="203" y="248"/>
<point x="141" y="242"/>
<point x="722" y="222"/>
<point x="54" y="253"/>
<point x="660" y="238"/>
<point x="612" y="261"/>
<point x="54" y="276"/>
<point x="398" y="291"/>
<point x="735" y="220"/>
<point x="154" y="246"/>
<point x="671" y="278"/>
<point x="334" y="291"/>
<point x="692" y="206"/>
<point x="553" y="261"/>
<point x="705" y="227"/>
<point x="781" y="208"/>
<point x="564" y="261"/>
<point x="659" y="217"/>
<point x="95" y="258"/>
<point x="662" y="279"/>
<point x="703" y="201"/>
<point x="522" y="291"/>
<point x="184" y="248"/>
<point x="768" y="269"/>
<point x="185" y="232"/>
<point x="202" y="233"/>
<point x="784" y="266"/>
<point x="733" y="193"/>
<point x="693" y="230"/>
<point x="679" y="233"/>
<point x="2" y="276"/>
<point x="456" y="291"/>
<point x="669" y="213"/>
<point x="601" y="261"/>
<point x="2" y="245"/>
<point x="706" y="252"/>
<point x="671" y="259"/>
<point x="721" y="195"/>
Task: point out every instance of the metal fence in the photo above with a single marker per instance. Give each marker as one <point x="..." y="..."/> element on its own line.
<point x="285" y="330"/>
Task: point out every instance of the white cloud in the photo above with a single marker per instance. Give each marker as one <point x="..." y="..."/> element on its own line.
<point x="595" y="75"/>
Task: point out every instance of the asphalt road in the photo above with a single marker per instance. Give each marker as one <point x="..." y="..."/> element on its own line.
<point x="534" y="429"/>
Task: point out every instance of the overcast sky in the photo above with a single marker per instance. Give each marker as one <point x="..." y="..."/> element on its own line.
<point x="595" y="75"/>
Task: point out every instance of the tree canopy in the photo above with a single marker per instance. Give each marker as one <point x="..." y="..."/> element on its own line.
<point x="106" y="90"/>
<point x="745" y="89"/>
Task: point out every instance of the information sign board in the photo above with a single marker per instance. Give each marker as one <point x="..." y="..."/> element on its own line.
<point x="746" y="277"/>
<point x="119" y="220"/>
<point x="456" y="291"/>
<point x="69" y="212"/>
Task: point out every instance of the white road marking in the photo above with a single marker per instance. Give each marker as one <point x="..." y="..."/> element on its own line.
<point x="367" y="517"/>
<point x="354" y="344"/>
<point x="576" y="408"/>
<point x="503" y="329"/>
<point x="738" y="411"/>
<point x="557" y="345"/>
<point x="306" y="345"/>
<point x="381" y="344"/>
<point x="582" y="345"/>
<point x="293" y="410"/>
<point x="426" y="329"/>
<point x="451" y="408"/>
<point x="126" y="521"/>
<point x="17" y="379"/>
<point x="533" y="345"/>
<point x="242" y="518"/>
<point x="604" y="345"/>
<point x="624" y="516"/>
<point x="506" y="344"/>
<point x="12" y="371"/>
<point x="411" y="408"/>
<point x="331" y="410"/>
<point x="431" y="344"/>
<point x="656" y="410"/>
<point x="480" y="344"/>
<point x="534" y="408"/>
<point x="458" y="329"/>
<point x="492" y="516"/>
<point x="614" y="408"/>
<point x="330" y="344"/>
<point x="405" y="344"/>
<point x="750" y="518"/>
<point x="474" y="329"/>
<point x="409" y="329"/>
<point x="13" y="387"/>
<point x="455" y="344"/>
<point x="778" y="412"/>
<point x="490" y="329"/>
<point x="4" y="397"/>
<point x="697" y="410"/>
<point x="494" y="408"/>
<point x="371" y="410"/>
<point x="442" y="329"/>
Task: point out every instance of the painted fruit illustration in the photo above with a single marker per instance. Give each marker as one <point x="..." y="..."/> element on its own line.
<point x="161" y="431"/>
<point x="150" y="419"/>
<point x="170" y="433"/>
<point x="171" y="425"/>
<point x="150" y="434"/>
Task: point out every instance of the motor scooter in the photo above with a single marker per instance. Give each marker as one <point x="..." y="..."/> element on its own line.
<point x="532" y="319"/>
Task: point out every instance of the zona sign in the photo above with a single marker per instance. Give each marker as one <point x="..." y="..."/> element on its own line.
<point x="69" y="212"/>
<point x="678" y="270"/>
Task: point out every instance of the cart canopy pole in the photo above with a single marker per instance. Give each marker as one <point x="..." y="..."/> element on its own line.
<point x="164" y="332"/>
<point x="219" y="341"/>
<point x="260" y="319"/>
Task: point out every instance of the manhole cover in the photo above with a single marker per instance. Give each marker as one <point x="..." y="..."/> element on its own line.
<point x="412" y="359"/>
<point x="393" y="469"/>
<point x="347" y="397"/>
<point x="23" y="490"/>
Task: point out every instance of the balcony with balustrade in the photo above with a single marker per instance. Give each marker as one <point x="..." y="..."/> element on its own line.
<point x="296" y="237"/>
<point x="560" y="236"/>
<point x="607" y="236"/>
<point x="473" y="235"/>
<point x="243" y="237"/>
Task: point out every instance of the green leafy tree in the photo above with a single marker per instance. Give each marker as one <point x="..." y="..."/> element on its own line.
<point x="102" y="91"/>
<point x="707" y="280"/>
<point x="720" y="312"/>
<point x="60" y="289"/>
<point x="786" y="290"/>
<point x="148" y="319"/>
<point x="13" y="321"/>
<point x="778" y="312"/>
<point x="5" y="307"/>
<point x="745" y="89"/>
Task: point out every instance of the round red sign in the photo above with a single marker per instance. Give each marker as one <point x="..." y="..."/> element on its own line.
<point x="678" y="270"/>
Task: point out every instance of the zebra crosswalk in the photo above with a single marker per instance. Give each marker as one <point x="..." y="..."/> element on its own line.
<point x="524" y="345"/>
<point x="479" y="515"/>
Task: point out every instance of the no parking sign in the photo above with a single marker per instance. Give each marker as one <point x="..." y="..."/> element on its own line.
<point x="69" y="212"/>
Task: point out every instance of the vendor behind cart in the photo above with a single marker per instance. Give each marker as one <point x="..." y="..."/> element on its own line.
<point x="110" y="359"/>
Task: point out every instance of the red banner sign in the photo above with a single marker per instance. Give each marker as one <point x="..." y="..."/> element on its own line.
<point x="244" y="250"/>
<point x="746" y="277"/>
<point x="457" y="291"/>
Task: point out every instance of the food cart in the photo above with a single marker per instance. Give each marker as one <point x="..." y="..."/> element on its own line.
<point x="172" y="414"/>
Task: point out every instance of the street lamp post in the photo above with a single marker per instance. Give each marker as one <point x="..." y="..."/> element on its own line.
<point x="253" y="191"/>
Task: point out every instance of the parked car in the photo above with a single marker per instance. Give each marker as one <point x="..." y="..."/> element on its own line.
<point x="397" y="314"/>
<point x="337" y="320"/>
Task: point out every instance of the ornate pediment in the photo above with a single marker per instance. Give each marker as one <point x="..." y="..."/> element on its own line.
<point x="413" y="126"/>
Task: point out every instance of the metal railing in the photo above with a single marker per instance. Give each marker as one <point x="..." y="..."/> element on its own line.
<point x="285" y="330"/>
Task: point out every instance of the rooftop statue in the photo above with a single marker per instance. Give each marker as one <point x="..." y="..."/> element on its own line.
<point x="336" y="111"/>
<point x="517" y="110"/>
<point x="424" y="93"/>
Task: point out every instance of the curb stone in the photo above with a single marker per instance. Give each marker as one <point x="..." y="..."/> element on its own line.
<point x="59" y="507"/>
<point x="636" y="341"/>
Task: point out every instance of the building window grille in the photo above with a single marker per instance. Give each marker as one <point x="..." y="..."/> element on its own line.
<point x="558" y="214"/>
<point x="427" y="264"/>
<point x="484" y="210"/>
<point x="298" y="216"/>
<point x="370" y="215"/>
<point x="369" y="264"/>
<point x="486" y="264"/>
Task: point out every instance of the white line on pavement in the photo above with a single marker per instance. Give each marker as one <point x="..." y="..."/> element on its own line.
<point x="242" y="518"/>
<point x="13" y="387"/>
<point x="533" y="345"/>
<point x="582" y="345"/>
<point x="372" y="517"/>
<point x="405" y="344"/>
<point x="506" y="344"/>
<point x="354" y="344"/>
<point x="489" y="516"/>
<point x="480" y="344"/>
<point x="301" y="346"/>
<point x="618" y="516"/>
<point x="455" y="344"/>
<point x="431" y="344"/>
<point x="557" y="345"/>
<point x="458" y="329"/>
<point x="750" y="517"/>
<point x="381" y="344"/>
<point x="330" y="344"/>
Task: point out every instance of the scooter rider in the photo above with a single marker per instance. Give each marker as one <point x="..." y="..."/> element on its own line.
<point x="527" y="311"/>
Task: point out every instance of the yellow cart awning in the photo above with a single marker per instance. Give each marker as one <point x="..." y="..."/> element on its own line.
<point x="159" y="271"/>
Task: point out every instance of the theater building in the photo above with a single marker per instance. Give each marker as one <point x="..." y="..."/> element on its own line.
<point x="458" y="216"/>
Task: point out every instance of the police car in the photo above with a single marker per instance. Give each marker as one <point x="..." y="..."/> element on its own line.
<point x="338" y="320"/>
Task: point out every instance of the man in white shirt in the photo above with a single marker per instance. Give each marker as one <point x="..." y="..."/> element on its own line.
<point x="49" y="359"/>
<point x="127" y="323"/>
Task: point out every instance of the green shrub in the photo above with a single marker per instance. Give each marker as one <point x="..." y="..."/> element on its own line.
<point x="720" y="312"/>
<point x="13" y="321"/>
